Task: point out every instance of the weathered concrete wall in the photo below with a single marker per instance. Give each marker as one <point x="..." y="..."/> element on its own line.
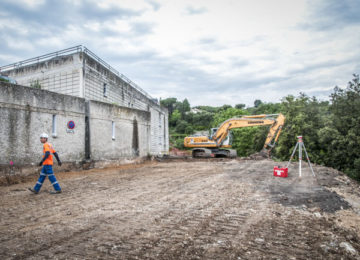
<point x="26" y="112"/>
<point x="82" y="75"/>
<point x="123" y="94"/>
<point x="159" y="131"/>
<point x="117" y="90"/>
<point x="62" y="74"/>
<point x="131" y="135"/>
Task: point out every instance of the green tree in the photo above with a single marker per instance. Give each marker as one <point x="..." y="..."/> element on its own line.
<point x="189" y="129"/>
<point x="225" y="107"/>
<point x="343" y="130"/>
<point x="208" y="109"/>
<point x="175" y="117"/>
<point x="305" y="116"/>
<point x="240" y="106"/>
<point x="330" y="130"/>
<point x="203" y="121"/>
<point x="257" y="102"/>
<point x="243" y="138"/>
<point x="186" y="105"/>
<point x="4" y="80"/>
<point x="224" y="115"/>
<point x="181" y="126"/>
<point x="265" y="108"/>
<point x="169" y="103"/>
<point x="244" y="141"/>
<point x="35" y="84"/>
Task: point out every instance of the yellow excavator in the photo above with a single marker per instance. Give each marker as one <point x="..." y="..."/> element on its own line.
<point x="218" y="144"/>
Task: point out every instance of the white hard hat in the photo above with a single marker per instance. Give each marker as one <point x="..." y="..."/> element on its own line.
<point x="44" y="135"/>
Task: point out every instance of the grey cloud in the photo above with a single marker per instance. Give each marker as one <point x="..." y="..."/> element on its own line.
<point x="194" y="11"/>
<point x="155" y="5"/>
<point x="59" y="13"/>
<point x="141" y="28"/>
<point x="130" y="59"/>
<point x="160" y="72"/>
<point x="155" y="73"/>
<point x="207" y="41"/>
<point x="333" y="14"/>
<point x="91" y="11"/>
<point x="55" y="18"/>
<point x="239" y="63"/>
<point x="316" y="66"/>
<point x="209" y="44"/>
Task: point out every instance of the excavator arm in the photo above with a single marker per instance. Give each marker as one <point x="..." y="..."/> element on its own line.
<point x="249" y="121"/>
<point x="216" y="145"/>
<point x="274" y="132"/>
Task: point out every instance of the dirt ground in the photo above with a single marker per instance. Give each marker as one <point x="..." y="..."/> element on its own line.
<point x="184" y="209"/>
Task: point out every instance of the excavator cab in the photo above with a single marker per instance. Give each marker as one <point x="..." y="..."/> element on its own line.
<point x="227" y="141"/>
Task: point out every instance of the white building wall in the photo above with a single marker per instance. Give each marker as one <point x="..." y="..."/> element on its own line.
<point x="159" y="131"/>
<point x="118" y="131"/>
<point x="119" y="92"/>
<point x="25" y="113"/>
<point x="80" y="75"/>
<point x="60" y="74"/>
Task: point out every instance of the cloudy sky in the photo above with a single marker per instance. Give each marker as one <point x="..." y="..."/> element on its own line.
<point x="212" y="52"/>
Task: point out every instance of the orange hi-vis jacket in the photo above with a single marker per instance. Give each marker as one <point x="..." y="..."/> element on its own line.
<point x="48" y="148"/>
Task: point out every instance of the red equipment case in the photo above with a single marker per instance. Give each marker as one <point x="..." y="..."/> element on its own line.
<point x="280" y="172"/>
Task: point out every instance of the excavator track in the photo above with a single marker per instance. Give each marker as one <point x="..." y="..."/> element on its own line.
<point x="209" y="153"/>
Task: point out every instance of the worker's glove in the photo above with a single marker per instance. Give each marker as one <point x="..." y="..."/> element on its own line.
<point x="40" y="163"/>
<point x="59" y="163"/>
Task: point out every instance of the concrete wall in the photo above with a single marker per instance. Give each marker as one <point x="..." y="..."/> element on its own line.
<point x="159" y="131"/>
<point x="81" y="75"/>
<point x="118" y="91"/>
<point x="26" y="112"/>
<point x="62" y="74"/>
<point x="123" y="94"/>
<point x="130" y="135"/>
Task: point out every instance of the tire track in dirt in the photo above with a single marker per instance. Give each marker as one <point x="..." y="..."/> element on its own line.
<point x="175" y="210"/>
<point x="135" y="198"/>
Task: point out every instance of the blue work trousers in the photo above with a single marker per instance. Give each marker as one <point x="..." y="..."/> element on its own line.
<point x="47" y="171"/>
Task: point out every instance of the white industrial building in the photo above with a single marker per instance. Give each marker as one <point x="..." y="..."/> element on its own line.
<point x="79" y="72"/>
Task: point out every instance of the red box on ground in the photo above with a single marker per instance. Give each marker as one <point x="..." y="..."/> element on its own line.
<point x="280" y="172"/>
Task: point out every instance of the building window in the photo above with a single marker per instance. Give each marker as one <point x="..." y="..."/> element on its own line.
<point x="105" y="90"/>
<point x="113" y="130"/>
<point x="54" y="126"/>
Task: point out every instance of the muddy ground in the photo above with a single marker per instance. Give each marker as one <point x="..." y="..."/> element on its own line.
<point x="191" y="209"/>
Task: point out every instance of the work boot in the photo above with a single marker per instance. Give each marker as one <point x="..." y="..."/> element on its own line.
<point x="33" y="191"/>
<point x="55" y="191"/>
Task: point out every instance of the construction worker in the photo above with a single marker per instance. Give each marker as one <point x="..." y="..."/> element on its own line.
<point x="47" y="163"/>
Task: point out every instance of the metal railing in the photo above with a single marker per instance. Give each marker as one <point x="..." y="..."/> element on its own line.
<point x="122" y="76"/>
<point x="41" y="58"/>
<point x="73" y="50"/>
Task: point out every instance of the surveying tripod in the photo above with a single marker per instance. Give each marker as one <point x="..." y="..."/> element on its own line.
<point x="301" y="145"/>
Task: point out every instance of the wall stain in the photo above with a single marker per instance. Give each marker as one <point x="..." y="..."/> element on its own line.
<point x="135" y="140"/>
<point x="26" y="132"/>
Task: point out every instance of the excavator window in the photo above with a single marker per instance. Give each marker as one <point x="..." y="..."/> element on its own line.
<point x="212" y="132"/>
